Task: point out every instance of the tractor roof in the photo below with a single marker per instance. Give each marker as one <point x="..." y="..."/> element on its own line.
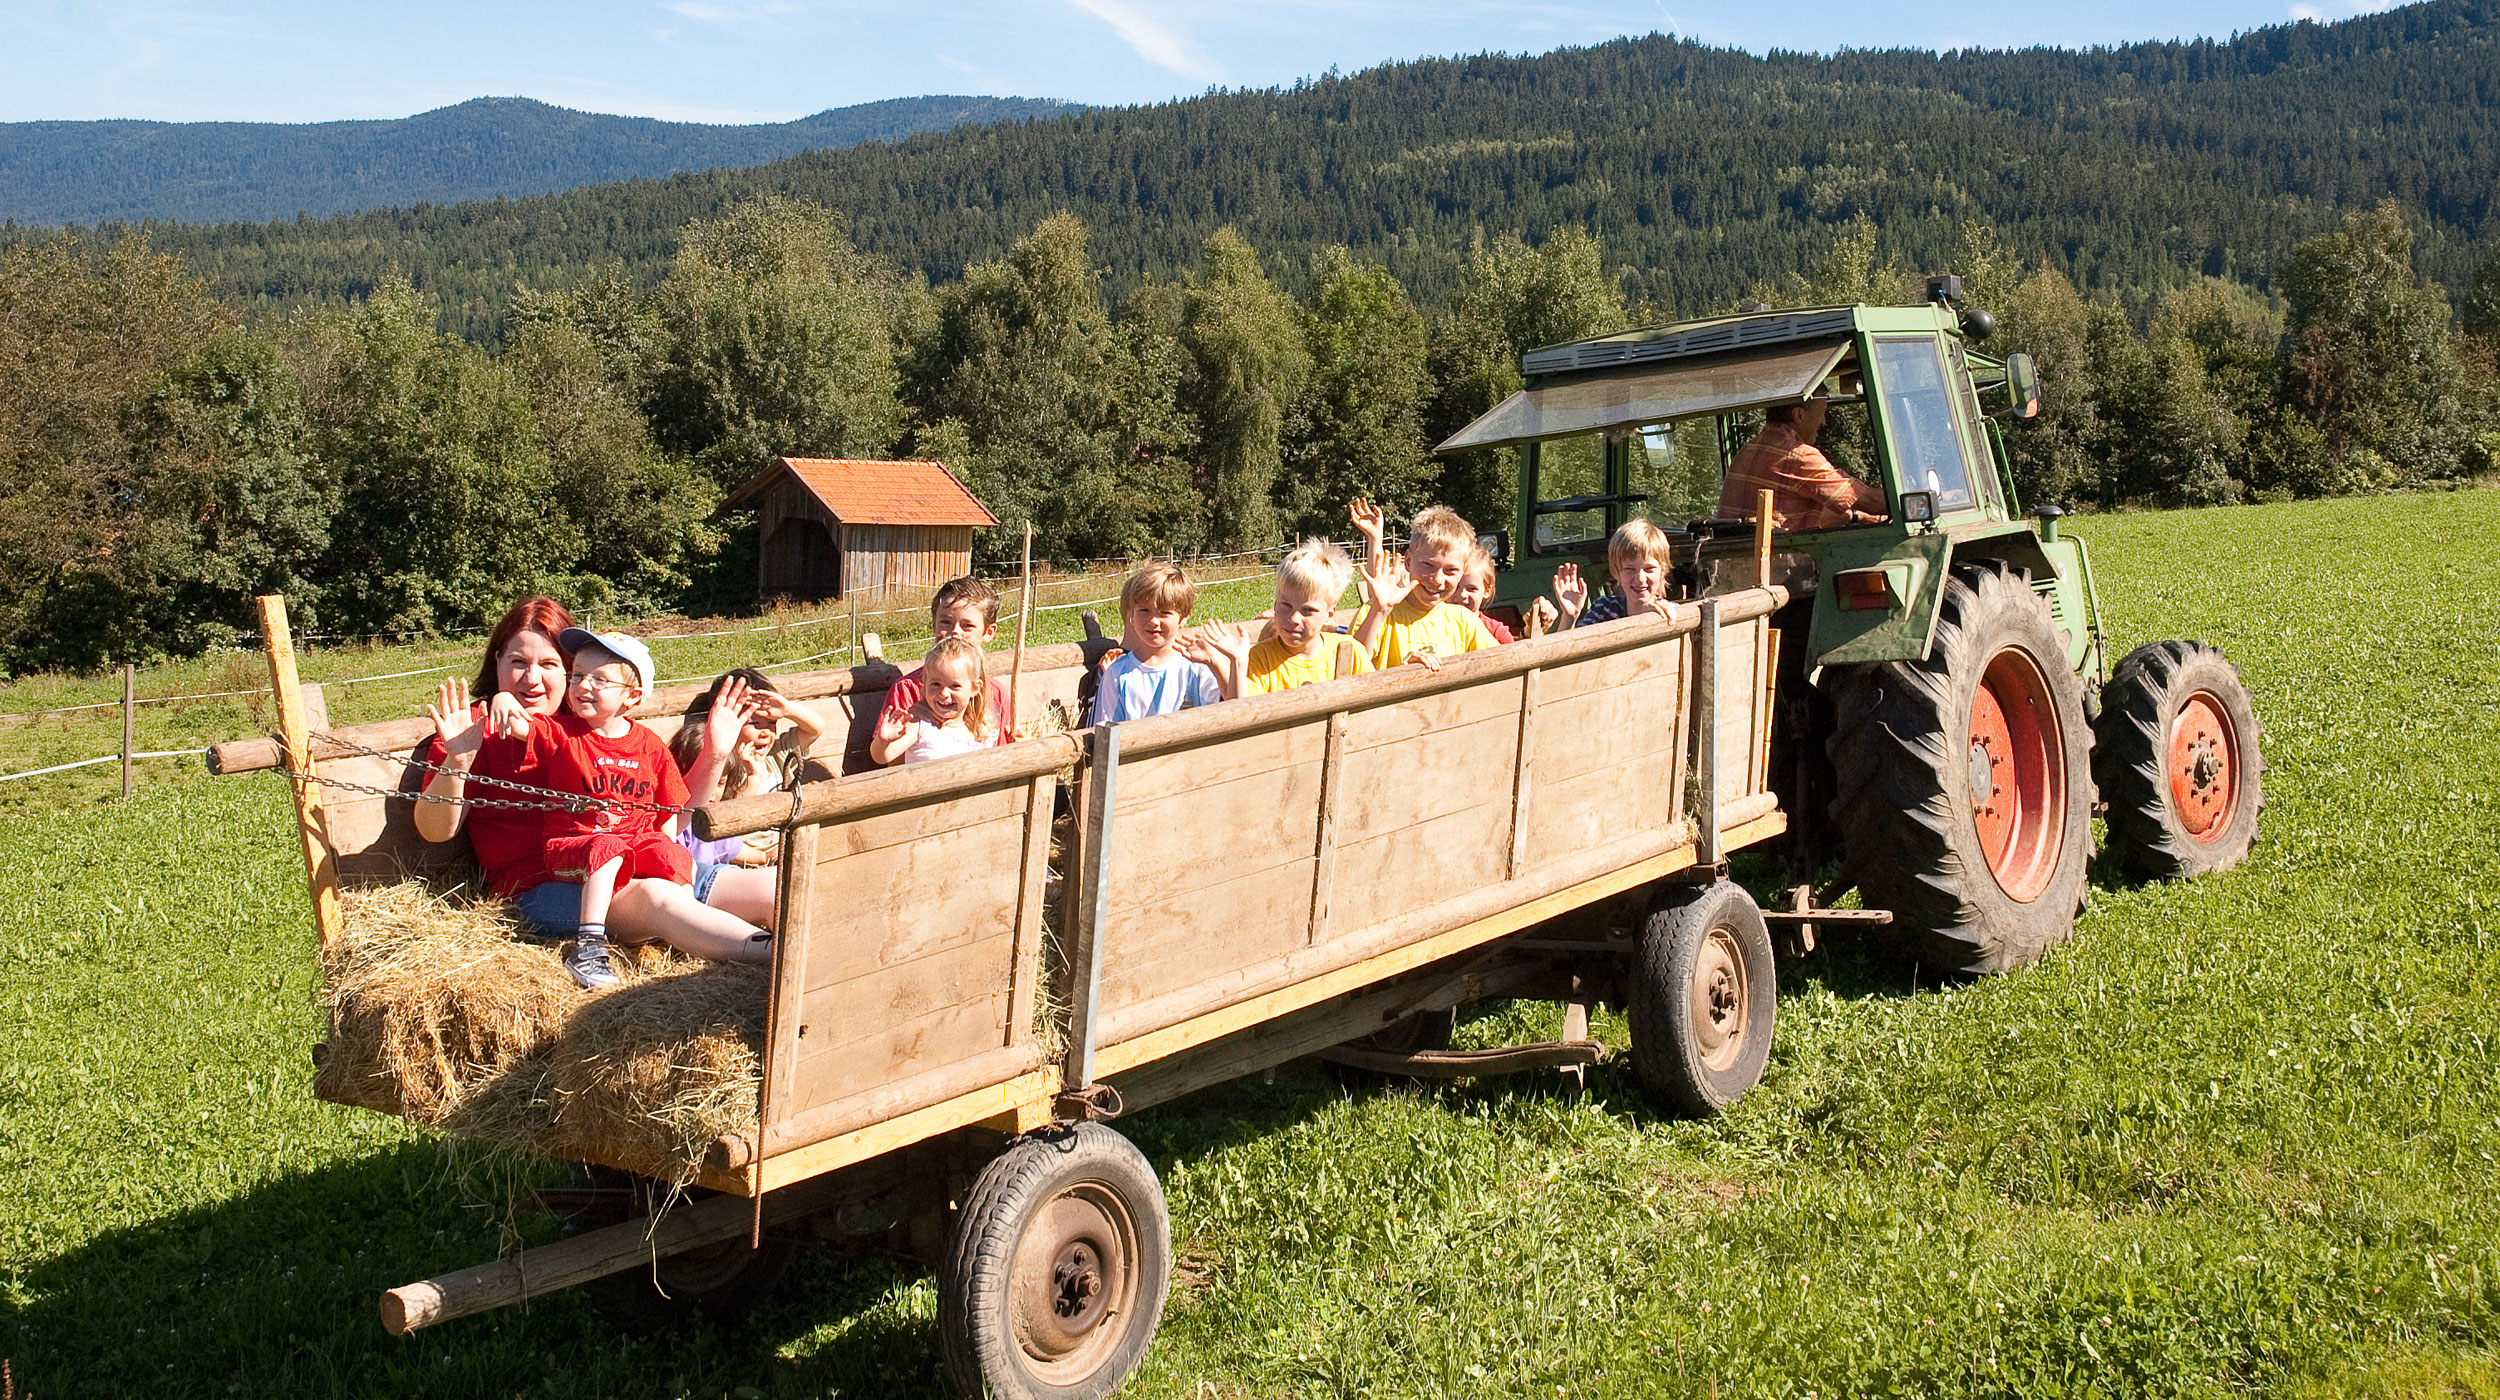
<point x="1661" y="374"/>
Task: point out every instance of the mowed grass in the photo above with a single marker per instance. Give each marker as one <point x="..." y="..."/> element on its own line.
<point x="2237" y="1137"/>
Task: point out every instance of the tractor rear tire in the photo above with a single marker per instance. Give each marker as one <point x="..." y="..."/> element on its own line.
<point x="1704" y="996"/>
<point x="1965" y="786"/>
<point x="2177" y="761"/>
<point x="1055" y="1269"/>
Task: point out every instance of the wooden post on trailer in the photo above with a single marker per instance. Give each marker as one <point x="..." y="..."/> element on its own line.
<point x="1762" y="539"/>
<point x="130" y="682"/>
<point x="1102" y="784"/>
<point x="1024" y="620"/>
<point x="312" y="826"/>
<point x="1704" y="804"/>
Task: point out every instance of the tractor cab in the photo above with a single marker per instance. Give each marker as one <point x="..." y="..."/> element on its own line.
<point x="1646" y="423"/>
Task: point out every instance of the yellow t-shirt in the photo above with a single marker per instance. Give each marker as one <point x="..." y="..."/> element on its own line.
<point x="1444" y="629"/>
<point x="1272" y="668"/>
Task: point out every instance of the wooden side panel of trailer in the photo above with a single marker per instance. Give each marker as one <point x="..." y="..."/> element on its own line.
<point x="906" y="974"/>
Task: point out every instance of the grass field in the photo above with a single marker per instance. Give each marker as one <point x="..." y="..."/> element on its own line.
<point x="2238" y="1137"/>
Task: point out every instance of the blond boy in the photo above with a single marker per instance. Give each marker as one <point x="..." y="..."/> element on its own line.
<point x="1637" y="557"/>
<point x="1408" y="615"/>
<point x="1153" y="676"/>
<point x="1298" y="649"/>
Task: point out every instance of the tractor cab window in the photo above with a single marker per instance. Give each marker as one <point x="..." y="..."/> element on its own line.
<point x="1571" y="494"/>
<point x="1676" y="467"/>
<point x="1920" y="422"/>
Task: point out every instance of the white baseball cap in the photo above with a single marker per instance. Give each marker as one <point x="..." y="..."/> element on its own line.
<point x="629" y="650"/>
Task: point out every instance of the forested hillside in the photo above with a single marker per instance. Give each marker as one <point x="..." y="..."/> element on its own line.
<point x="93" y="172"/>
<point x="2273" y="294"/>
<point x="1705" y="170"/>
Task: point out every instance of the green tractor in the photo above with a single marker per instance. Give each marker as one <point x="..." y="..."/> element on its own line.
<point x="1943" y="721"/>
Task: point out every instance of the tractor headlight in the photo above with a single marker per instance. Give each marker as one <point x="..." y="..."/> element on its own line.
<point x="1918" y="507"/>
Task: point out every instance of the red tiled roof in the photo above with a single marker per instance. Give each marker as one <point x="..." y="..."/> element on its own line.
<point x="859" y="492"/>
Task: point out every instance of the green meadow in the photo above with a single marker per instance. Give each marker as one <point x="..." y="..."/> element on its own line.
<point x="2236" y="1138"/>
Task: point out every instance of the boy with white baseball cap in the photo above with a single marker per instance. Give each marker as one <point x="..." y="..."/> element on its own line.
<point x="628" y="830"/>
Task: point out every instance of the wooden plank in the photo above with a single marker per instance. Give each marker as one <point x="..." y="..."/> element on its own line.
<point x="1589" y="809"/>
<point x="1034" y="880"/>
<point x="536" y="1272"/>
<point x="1447" y="853"/>
<point x="1605" y="729"/>
<point x="1324" y="850"/>
<point x="1178" y="1033"/>
<point x="875" y="833"/>
<point x="1433" y="773"/>
<point x="1770" y="703"/>
<point x="803" y="1160"/>
<point x="909" y="902"/>
<point x="1397" y="725"/>
<point x="1193" y="928"/>
<point x="891" y="1042"/>
<point x="1183" y="773"/>
<point x="1251" y="823"/>
<point x="321" y="874"/>
<point x="1523" y="767"/>
<point x="1737" y="689"/>
<point x="1702" y="725"/>
<point x="801" y="879"/>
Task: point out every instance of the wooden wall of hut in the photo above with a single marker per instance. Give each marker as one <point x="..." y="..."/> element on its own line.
<point x="880" y="558"/>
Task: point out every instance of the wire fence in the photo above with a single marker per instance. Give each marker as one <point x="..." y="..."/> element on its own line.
<point x="108" y="758"/>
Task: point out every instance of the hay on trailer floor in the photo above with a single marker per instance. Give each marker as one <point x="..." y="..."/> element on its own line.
<point x="442" y="1014"/>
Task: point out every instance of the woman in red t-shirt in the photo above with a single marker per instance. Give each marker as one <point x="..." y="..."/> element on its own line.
<point x="524" y="662"/>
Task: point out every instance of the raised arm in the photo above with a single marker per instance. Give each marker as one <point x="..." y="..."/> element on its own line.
<point x="1384" y="587"/>
<point x="893" y="737"/>
<point x="807" y="725"/>
<point x="1369" y="523"/>
<point x="1571" y="597"/>
<point x="461" y="736"/>
<point x="722" y="724"/>
<point x="1227" y="654"/>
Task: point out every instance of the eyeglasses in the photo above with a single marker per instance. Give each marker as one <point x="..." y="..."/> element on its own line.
<point x="598" y="682"/>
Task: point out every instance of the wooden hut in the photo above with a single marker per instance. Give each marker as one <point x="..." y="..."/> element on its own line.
<point x="829" y="527"/>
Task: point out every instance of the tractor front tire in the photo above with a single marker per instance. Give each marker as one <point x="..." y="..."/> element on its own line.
<point x="2177" y="761"/>
<point x="1055" y="1269"/>
<point x="1704" y="996"/>
<point x="1965" y="789"/>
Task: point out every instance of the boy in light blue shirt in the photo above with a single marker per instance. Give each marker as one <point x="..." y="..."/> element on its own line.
<point x="1157" y="671"/>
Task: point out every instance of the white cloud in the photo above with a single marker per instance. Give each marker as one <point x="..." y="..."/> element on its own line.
<point x="1152" y="40"/>
<point x="733" y="12"/>
<point x="2342" y="9"/>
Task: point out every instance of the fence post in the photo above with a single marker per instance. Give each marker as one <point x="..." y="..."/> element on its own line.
<point x="129" y="688"/>
<point x="312" y="825"/>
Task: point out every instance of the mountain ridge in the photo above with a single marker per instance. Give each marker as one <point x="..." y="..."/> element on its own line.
<point x="483" y="148"/>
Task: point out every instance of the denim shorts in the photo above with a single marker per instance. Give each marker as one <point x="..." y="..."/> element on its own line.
<point x="553" y="908"/>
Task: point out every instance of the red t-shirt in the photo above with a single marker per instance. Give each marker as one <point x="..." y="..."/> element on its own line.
<point x="634" y="766"/>
<point x="906" y="693"/>
<point x="1500" y="633"/>
<point x="510" y="846"/>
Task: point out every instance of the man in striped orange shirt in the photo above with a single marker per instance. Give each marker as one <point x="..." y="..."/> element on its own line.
<point x="1807" y="491"/>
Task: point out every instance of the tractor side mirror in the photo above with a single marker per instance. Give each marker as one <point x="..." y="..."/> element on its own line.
<point x="1497" y="544"/>
<point x="2022" y="385"/>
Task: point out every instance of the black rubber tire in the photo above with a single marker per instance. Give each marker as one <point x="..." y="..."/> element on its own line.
<point x="1705" y="994"/>
<point x="1904" y="807"/>
<point x="2148" y="835"/>
<point x="1425" y="1030"/>
<point x="718" y="1282"/>
<point x="1116" y="1204"/>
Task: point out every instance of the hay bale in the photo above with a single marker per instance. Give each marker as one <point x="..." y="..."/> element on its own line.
<point x="428" y="997"/>
<point x="442" y="1014"/>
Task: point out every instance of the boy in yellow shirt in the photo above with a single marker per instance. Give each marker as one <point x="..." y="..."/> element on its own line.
<point x="1299" y="649"/>
<point x="1408" y="615"/>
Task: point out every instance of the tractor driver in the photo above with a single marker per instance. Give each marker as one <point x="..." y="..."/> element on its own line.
<point x="1807" y="491"/>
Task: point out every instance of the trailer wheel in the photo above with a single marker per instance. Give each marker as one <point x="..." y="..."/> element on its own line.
<point x="2177" y="761"/>
<point x="1055" y="1269"/>
<point x="1704" y="995"/>
<point x="1965" y="796"/>
<point x="717" y="1281"/>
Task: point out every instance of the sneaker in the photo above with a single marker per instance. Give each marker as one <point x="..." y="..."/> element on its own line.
<point x="588" y="962"/>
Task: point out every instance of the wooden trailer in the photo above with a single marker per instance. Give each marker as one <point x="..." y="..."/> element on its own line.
<point x="1246" y="884"/>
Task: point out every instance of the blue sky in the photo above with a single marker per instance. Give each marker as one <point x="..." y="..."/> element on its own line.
<point x="772" y="60"/>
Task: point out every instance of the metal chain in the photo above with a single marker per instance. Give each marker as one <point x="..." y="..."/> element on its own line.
<point x="563" y="801"/>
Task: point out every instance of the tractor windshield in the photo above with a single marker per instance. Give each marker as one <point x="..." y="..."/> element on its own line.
<point x="1918" y="419"/>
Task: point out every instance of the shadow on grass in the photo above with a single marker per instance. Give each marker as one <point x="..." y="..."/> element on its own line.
<point x="273" y="1293"/>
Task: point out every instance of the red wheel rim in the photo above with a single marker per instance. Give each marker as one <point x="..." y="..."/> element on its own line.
<point x="2017" y="775"/>
<point x="2204" y="782"/>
